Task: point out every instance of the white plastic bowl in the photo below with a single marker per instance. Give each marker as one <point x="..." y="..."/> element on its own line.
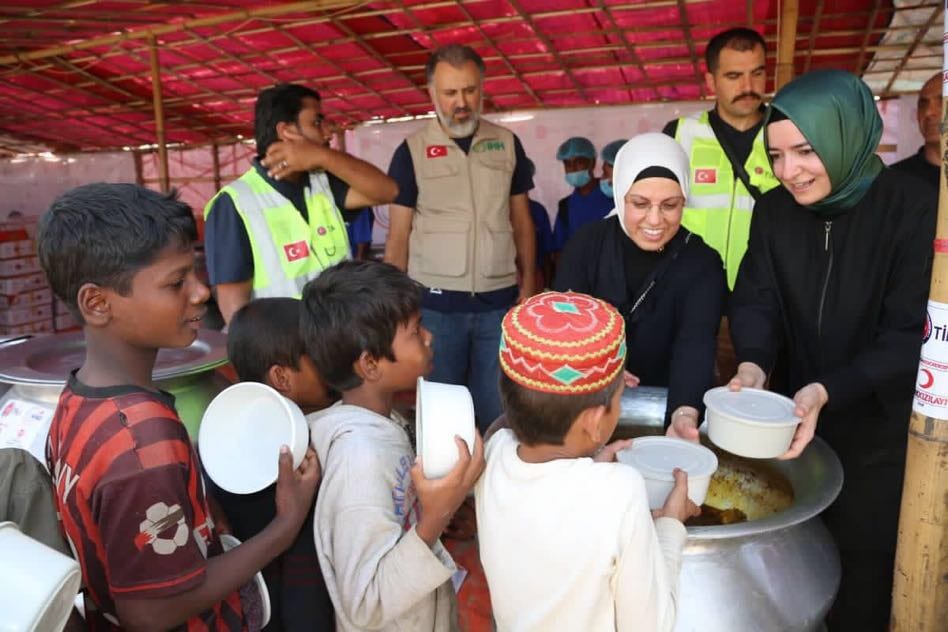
<point x="751" y="422"/>
<point x="229" y="542"/>
<point x="442" y="411"/>
<point x="38" y="585"/>
<point x="241" y="434"/>
<point x="656" y="459"/>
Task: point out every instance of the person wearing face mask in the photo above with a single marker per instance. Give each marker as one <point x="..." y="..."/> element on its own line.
<point x="608" y="155"/>
<point x="838" y="268"/>
<point x="281" y="223"/>
<point x="461" y="226"/>
<point x="665" y="281"/>
<point x="587" y="202"/>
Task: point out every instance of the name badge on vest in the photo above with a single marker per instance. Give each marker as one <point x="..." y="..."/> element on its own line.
<point x="706" y="176"/>
<point x="295" y="251"/>
<point x="436" y="151"/>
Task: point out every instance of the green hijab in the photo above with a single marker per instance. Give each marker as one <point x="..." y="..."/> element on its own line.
<point x="835" y="112"/>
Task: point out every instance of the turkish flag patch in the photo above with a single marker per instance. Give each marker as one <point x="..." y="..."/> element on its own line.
<point x="436" y="151"/>
<point x="296" y="250"/>
<point x="706" y="176"/>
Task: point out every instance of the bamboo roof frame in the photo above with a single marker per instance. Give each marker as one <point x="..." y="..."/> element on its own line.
<point x="556" y="57"/>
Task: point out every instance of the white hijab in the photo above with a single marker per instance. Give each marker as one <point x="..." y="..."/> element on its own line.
<point x="640" y="153"/>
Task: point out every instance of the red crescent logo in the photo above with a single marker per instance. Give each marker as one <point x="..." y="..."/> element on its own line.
<point x="925" y="378"/>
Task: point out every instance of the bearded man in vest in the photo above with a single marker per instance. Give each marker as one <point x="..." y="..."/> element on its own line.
<point x="725" y="146"/>
<point x="280" y="224"/>
<point x="461" y="225"/>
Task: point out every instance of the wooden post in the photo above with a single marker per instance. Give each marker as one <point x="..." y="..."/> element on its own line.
<point x="787" y="42"/>
<point x="920" y="590"/>
<point x="216" y="156"/>
<point x="159" y="114"/>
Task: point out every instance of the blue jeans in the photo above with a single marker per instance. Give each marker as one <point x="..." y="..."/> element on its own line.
<point x="465" y="352"/>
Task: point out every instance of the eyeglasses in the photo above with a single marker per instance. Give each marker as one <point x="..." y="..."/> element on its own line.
<point x="666" y="207"/>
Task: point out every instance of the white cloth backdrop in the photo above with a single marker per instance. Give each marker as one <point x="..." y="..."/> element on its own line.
<point x="30" y="184"/>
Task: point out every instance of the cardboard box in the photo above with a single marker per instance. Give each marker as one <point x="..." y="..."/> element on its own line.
<point x="21" y="248"/>
<point x="29" y="314"/>
<point x="39" y="327"/>
<point x="34" y="297"/>
<point x="21" y="284"/>
<point x="18" y="266"/>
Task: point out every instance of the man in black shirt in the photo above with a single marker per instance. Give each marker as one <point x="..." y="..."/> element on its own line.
<point x="926" y="162"/>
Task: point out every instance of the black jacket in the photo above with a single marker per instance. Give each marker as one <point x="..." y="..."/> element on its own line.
<point x="672" y="333"/>
<point x="847" y="295"/>
<point x="848" y="299"/>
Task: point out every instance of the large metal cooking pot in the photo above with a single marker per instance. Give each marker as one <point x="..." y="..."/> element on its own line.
<point x="778" y="571"/>
<point x="36" y="370"/>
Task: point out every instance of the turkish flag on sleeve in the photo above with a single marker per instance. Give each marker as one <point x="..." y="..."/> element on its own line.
<point x="436" y="151"/>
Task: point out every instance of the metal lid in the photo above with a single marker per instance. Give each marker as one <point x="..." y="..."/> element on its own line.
<point x="49" y="359"/>
<point x="753" y="406"/>
<point x="657" y="457"/>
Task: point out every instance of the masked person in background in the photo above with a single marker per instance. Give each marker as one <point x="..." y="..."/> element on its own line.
<point x="587" y="202"/>
<point x="838" y="267"/>
<point x="608" y="155"/>
<point x="664" y="280"/>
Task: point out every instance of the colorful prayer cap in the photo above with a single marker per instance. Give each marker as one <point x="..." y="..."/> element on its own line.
<point x="609" y="152"/>
<point x="563" y="342"/>
<point x="576" y="147"/>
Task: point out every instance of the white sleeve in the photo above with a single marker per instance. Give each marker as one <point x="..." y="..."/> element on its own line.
<point x="646" y="580"/>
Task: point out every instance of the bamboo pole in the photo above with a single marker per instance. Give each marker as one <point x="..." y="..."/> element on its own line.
<point x="176" y="27"/>
<point x="787" y="43"/>
<point x="159" y="114"/>
<point x="216" y="157"/>
<point x="920" y="589"/>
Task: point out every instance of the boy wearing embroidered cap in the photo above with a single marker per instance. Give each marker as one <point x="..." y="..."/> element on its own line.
<point x="549" y="480"/>
<point x="586" y="203"/>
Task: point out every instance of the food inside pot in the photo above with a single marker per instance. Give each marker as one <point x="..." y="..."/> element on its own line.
<point x="742" y="490"/>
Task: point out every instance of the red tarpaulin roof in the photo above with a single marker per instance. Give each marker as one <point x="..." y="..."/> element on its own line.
<point x="77" y="75"/>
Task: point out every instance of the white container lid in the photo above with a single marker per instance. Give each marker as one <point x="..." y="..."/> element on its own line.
<point x="753" y="406"/>
<point x="657" y="458"/>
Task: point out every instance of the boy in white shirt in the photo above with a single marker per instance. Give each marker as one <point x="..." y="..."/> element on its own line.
<point x="566" y="538"/>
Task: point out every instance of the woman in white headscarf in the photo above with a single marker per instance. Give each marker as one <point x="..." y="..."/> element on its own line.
<point x="668" y="284"/>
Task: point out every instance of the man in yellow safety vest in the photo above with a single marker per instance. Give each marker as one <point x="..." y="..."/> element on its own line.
<point x="725" y="146"/>
<point x="280" y="224"/>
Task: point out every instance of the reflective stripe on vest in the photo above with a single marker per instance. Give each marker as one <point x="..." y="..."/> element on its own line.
<point x="719" y="206"/>
<point x="287" y="250"/>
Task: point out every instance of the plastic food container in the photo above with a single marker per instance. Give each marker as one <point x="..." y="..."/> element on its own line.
<point x="751" y="422"/>
<point x="38" y="585"/>
<point x="656" y="459"/>
<point x="228" y="542"/>
<point x="442" y="411"/>
<point x="241" y="434"/>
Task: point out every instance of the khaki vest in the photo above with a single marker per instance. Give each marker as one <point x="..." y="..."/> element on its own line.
<point x="461" y="237"/>
<point x="719" y="206"/>
<point x="287" y="250"/>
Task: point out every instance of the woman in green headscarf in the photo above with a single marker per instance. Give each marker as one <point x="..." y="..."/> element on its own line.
<point x="836" y="274"/>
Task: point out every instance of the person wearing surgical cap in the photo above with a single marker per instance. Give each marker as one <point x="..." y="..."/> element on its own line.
<point x="665" y="281"/>
<point x="608" y="155"/>
<point x="586" y="203"/>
